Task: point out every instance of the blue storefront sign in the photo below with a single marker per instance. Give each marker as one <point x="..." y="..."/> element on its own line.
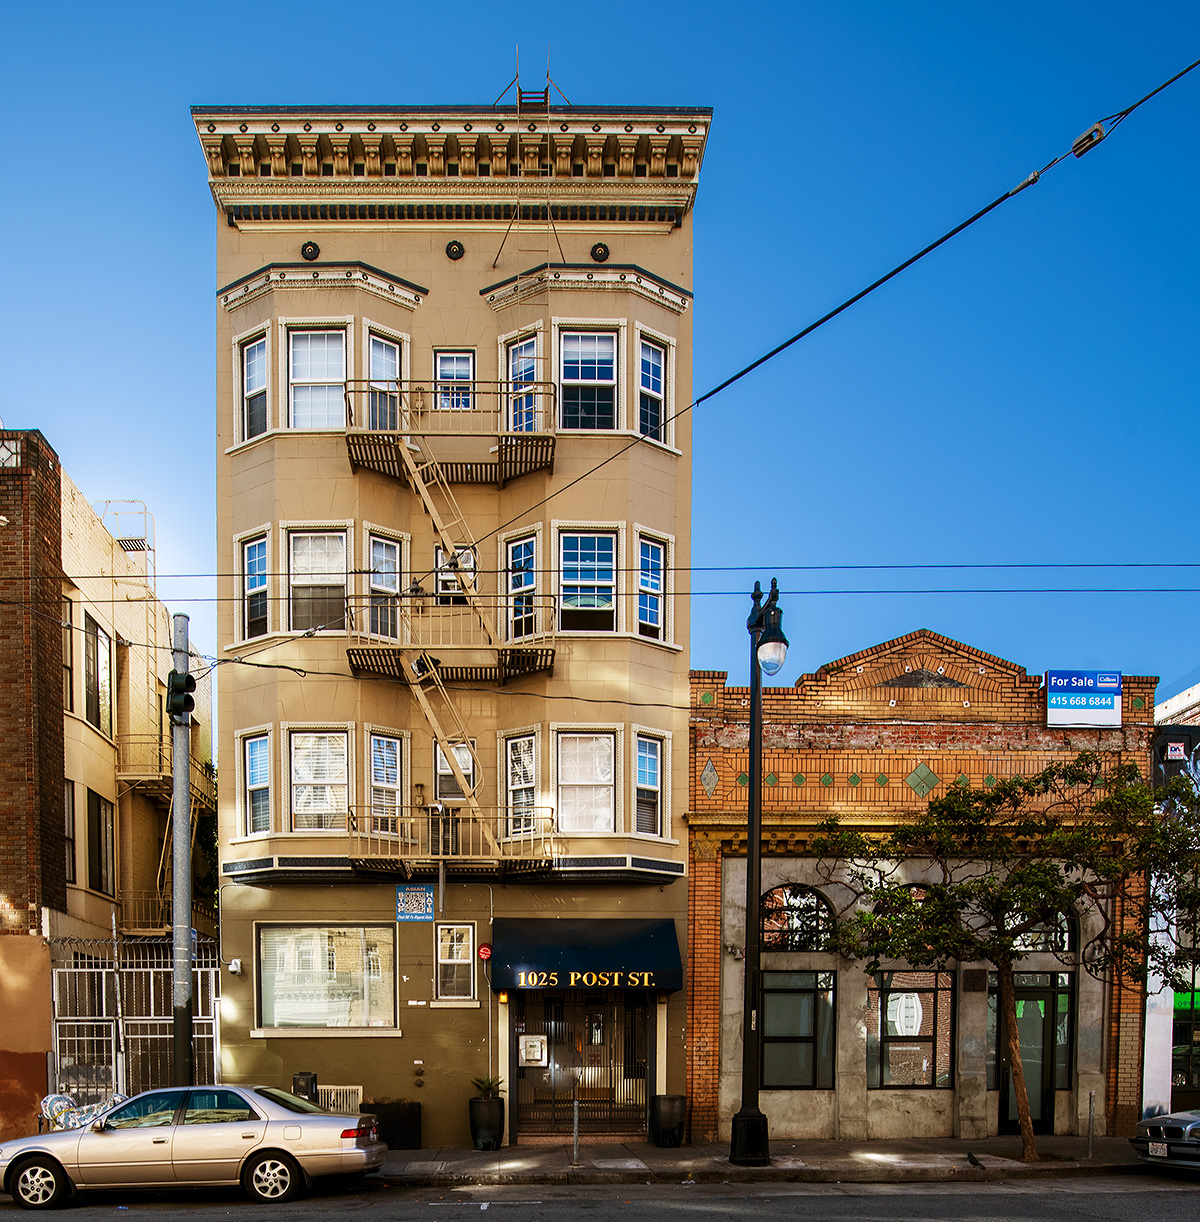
<point x="414" y="902"/>
<point x="1083" y="698"/>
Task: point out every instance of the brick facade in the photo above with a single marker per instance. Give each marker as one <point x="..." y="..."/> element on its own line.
<point x="870" y="738"/>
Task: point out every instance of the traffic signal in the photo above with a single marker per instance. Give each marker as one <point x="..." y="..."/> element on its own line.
<point x="179" y="693"/>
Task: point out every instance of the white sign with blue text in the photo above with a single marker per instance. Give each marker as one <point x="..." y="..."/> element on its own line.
<point x="1083" y="698"/>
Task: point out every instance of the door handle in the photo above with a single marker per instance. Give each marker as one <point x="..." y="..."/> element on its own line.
<point x="250" y="1136"/>
<point x="160" y="1141"/>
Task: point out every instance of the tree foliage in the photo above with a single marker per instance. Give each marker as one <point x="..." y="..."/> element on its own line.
<point x="991" y="875"/>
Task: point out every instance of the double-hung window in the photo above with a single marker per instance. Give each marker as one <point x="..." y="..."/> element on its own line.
<point x="254" y="388"/>
<point x="650" y="589"/>
<point x="317" y="581"/>
<point x="385" y="587"/>
<point x="586" y="782"/>
<point x="319" y="780"/>
<point x="254" y="576"/>
<point x="588" y="582"/>
<point x="910" y="1030"/>
<point x="455" y="952"/>
<point x="455" y="374"/>
<point x="97" y="675"/>
<point x="317" y="363"/>
<point x="385" y="783"/>
<point x="68" y="652"/>
<point x="449" y="587"/>
<point x="257" y="773"/>
<point x="650" y="405"/>
<point x="448" y="788"/>
<point x="69" y="829"/>
<point x="383" y="400"/>
<point x="521" y="782"/>
<point x="589" y="379"/>
<point x="522" y="588"/>
<point x="522" y="374"/>
<point x="102" y="856"/>
<point x="797" y="1030"/>
<point x="649" y="786"/>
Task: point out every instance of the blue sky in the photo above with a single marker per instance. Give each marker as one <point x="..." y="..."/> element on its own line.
<point x="1023" y="396"/>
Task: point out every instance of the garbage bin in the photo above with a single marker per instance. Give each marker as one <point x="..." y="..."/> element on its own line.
<point x="304" y="1084"/>
<point x="667" y="1114"/>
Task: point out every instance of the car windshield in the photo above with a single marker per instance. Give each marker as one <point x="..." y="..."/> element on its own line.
<point x="293" y="1103"/>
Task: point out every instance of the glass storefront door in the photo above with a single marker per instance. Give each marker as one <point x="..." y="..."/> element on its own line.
<point x="1044" y="1024"/>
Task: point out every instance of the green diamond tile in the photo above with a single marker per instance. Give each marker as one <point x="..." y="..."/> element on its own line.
<point x="706" y="697"/>
<point x="855" y="779"/>
<point x="798" y="779"/>
<point x="827" y="780"/>
<point x="743" y="779"/>
<point x="881" y="780"/>
<point x="771" y="779"/>
<point x="1138" y="702"/>
<point x="963" y="782"/>
<point x="921" y="780"/>
<point x="989" y="780"/>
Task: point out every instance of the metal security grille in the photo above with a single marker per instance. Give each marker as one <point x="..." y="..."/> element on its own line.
<point x="113" y="1029"/>
<point x="595" y="1053"/>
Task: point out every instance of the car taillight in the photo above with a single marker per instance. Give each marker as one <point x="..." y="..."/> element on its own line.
<point x="363" y="1130"/>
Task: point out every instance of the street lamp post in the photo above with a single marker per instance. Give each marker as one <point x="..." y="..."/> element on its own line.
<point x="749" y="1144"/>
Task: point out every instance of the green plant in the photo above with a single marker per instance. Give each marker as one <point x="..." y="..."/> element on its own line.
<point x="488" y="1088"/>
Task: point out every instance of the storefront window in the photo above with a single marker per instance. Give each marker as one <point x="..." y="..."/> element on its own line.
<point x="798" y="1030"/>
<point x="910" y="1030"/>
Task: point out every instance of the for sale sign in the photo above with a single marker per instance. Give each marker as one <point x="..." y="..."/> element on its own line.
<point x="1083" y="698"/>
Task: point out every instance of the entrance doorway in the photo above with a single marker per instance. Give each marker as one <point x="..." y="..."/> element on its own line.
<point x="590" y="1048"/>
<point x="1044" y="1025"/>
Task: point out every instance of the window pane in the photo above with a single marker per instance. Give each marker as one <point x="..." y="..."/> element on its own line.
<point x="787" y="1065"/>
<point x="585" y="782"/>
<point x="652" y="369"/>
<point x="788" y="1014"/>
<point x="318" y="781"/>
<point x="318" y="356"/>
<point x="588" y="582"/>
<point x="320" y="976"/>
<point x="256" y="366"/>
<point x="215" y="1106"/>
<point x="318" y="407"/>
<point x="385" y="360"/>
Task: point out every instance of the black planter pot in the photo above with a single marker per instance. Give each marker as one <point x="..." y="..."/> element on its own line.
<point x="399" y="1123"/>
<point x="667" y="1115"/>
<point x="487" y="1122"/>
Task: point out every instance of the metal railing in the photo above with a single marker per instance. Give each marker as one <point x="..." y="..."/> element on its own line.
<point x="452" y="833"/>
<point x="451" y="407"/>
<point x="150" y="912"/>
<point x="147" y="756"/>
<point x="431" y="620"/>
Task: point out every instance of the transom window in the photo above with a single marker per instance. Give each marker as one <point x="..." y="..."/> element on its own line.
<point x="650" y="401"/>
<point x="796" y="918"/>
<point x="650" y="589"/>
<point x="586" y="782"/>
<point x="589" y="583"/>
<point x="254" y="576"/>
<point x="589" y="380"/>
<point x="383" y="401"/>
<point x="798" y="1030"/>
<point x="254" y="388"/>
<point x="317" y="362"/>
<point x="317" y="578"/>
<point x="319" y="780"/>
<point x="455" y="373"/>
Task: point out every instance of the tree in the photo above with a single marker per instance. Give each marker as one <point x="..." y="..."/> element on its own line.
<point x="998" y="870"/>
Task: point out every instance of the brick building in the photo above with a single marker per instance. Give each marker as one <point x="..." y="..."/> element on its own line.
<point x="871" y="737"/>
<point x="85" y="782"/>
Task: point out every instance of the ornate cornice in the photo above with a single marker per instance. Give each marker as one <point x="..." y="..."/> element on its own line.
<point x="299" y="276"/>
<point x="576" y="277"/>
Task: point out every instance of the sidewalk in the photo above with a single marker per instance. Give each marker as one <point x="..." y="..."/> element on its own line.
<point x="887" y="1162"/>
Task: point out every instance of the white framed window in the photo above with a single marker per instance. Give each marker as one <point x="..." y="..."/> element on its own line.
<point x="383" y="401"/>
<point x="455" y="962"/>
<point x="651" y="579"/>
<point x="455" y="373"/>
<point x="256" y="782"/>
<point x="317" y="580"/>
<point x="319" y="771"/>
<point x="520" y="777"/>
<point x="524" y="408"/>
<point x="387" y="755"/>
<point x="449" y="587"/>
<point x="447" y="788"/>
<point x="254" y="387"/>
<point x="384" y="581"/>
<point x="588" y="581"/>
<point x="652" y="390"/>
<point x="648" y="819"/>
<point x="255" y="618"/>
<point x="587" y="783"/>
<point x="521" y="564"/>
<point x="588" y="379"/>
<point x="317" y="378"/>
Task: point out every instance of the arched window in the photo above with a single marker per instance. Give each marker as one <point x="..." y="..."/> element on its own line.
<point x="794" y="917"/>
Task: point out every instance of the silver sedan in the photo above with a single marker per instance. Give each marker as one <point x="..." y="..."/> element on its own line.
<point x="269" y="1141"/>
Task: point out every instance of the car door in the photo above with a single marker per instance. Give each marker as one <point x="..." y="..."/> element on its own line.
<point x="218" y="1129"/>
<point x="133" y="1144"/>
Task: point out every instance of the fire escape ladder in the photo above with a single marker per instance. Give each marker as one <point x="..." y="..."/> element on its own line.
<point x="166" y="857"/>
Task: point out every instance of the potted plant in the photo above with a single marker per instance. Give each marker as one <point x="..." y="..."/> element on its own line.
<point x="486" y="1112"/>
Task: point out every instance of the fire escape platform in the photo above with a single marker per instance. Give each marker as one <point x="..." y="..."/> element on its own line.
<point x="510" y="456"/>
<point x="388" y="662"/>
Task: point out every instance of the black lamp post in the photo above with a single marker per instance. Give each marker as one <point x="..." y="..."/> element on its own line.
<point x="749" y="1145"/>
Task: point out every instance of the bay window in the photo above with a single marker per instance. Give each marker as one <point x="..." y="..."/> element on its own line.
<point x="317" y="581"/>
<point x="521" y="784"/>
<point x="589" y="379"/>
<point x="522" y="373"/>
<point x="383" y="398"/>
<point x="385" y="587"/>
<point x="649" y="786"/>
<point x="586" y="782"/>
<point x="522" y="586"/>
<point x="257" y="783"/>
<point x="254" y="577"/>
<point x="254" y="388"/>
<point x="651" y="416"/>
<point x="650" y="589"/>
<point x="317" y="377"/>
<point x="588" y="582"/>
<point x="319" y="780"/>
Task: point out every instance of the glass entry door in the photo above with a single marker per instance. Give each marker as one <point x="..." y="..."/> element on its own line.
<point x="572" y="1046"/>
<point x="1044" y="1026"/>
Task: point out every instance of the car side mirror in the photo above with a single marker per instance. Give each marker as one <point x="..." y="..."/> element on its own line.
<point x="97" y="1126"/>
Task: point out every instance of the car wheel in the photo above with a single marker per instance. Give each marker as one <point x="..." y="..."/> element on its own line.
<point x="39" y="1184"/>
<point x="271" y="1177"/>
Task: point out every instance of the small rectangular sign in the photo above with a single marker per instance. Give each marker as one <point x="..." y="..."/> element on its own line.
<point x="414" y="902"/>
<point x="1083" y="698"/>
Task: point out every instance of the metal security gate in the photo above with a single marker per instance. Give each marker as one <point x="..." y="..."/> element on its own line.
<point x="113" y="1029"/>
<point x="590" y="1048"/>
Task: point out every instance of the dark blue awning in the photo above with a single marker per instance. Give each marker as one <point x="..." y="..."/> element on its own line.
<point x="574" y="954"/>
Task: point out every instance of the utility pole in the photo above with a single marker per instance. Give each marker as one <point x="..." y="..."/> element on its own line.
<point x="180" y="685"/>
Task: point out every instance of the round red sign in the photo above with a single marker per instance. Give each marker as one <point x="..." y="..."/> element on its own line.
<point x="485" y="950"/>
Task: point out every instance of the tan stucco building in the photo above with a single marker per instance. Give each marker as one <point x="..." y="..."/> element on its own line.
<point x="452" y="497"/>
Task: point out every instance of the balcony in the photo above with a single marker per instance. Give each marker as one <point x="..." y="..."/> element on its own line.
<point x="145" y="760"/>
<point x="422" y="839"/>
<point x="471" y="432"/>
<point x="148" y="913"/>
<point x="491" y="641"/>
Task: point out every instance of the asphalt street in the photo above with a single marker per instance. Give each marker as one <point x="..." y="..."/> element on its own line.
<point x="1136" y="1198"/>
